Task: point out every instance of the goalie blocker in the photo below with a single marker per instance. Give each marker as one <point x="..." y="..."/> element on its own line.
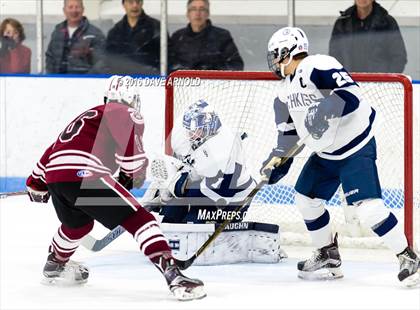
<point x="240" y="242"/>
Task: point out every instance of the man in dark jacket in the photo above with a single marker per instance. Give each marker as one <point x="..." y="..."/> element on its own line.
<point x="133" y="44"/>
<point x="366" y="38"/>
<point x="202" y="46"/>
<point x="76" y="46"/>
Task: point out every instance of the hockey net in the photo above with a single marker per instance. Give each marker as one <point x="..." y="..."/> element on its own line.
<point x="244" y="101"/>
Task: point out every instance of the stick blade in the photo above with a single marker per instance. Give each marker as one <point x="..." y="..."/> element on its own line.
<point x="95" y="245"/>
<point x="89" y="242"/>
<point x="185" y="264"/>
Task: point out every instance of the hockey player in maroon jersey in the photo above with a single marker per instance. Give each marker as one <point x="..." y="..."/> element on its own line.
<point x="77" y="172"/>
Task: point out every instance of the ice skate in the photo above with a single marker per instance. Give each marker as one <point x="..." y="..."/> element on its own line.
<point x="409" y="273"/>
<point x="182" y="287"/>
<point x="323" y="265"/>
<point x="64" y="273"/>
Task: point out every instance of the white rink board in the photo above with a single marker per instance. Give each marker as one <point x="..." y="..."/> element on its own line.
<point x="36" y="110"/>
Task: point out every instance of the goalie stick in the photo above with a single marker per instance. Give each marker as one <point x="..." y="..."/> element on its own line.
<point x="184" y="264"/>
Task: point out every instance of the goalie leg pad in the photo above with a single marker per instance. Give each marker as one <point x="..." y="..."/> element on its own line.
<point x="244" y="243"/>
<point x="317" y="219"/>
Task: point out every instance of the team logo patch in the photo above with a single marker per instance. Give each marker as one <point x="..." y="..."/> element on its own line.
<point x="84" y="173"/>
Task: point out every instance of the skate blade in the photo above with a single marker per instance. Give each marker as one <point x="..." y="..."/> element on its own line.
<point x="61" y="282"/>
<point x="182" y="294"/>
<point x="412" y="281"/>
<point x="324" y="274"/>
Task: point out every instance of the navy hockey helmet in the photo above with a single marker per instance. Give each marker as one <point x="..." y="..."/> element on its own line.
<point x="201" y="122"/>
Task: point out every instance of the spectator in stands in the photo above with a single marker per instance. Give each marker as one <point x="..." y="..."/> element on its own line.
<point x="133" y="44"/>
<point x="14" y="56"/>
<point x="365" y="38"/>
<point x="202" y="46"/>
<point x="76" y="46"/>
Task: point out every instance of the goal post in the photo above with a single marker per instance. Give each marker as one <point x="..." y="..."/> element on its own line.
<point x="244" y="101"/>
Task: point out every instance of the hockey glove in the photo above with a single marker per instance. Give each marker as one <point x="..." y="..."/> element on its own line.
<point x="38" y="196"/>
<point x="275" y="167"/>
<point x="129" y="183"/>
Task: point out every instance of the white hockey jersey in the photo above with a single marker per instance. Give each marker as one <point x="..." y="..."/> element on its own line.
<point x="318" y="77"/>
<point x="219" y="163"/>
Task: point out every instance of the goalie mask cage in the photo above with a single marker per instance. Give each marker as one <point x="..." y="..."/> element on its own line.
<point x="244" y="101"/>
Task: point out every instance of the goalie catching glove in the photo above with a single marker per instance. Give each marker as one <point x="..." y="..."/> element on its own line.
<point x="275" y="167"/>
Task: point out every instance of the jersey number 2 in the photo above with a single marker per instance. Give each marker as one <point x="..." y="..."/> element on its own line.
<point x="342" y="78"/>
<point x="74" y="128"/>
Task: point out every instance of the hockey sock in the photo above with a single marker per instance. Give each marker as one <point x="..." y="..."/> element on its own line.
<point x="372" y="213"/>
<point x="395" y="238"/>
<point x="66" y="240"/>
<point x="317" y="220"/>
<point x="146" y="231"/>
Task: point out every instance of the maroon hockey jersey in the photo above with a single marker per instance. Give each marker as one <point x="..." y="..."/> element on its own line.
<point x="94" y="144"/>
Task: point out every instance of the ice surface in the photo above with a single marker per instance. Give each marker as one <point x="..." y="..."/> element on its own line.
<point x="121" y="278"/>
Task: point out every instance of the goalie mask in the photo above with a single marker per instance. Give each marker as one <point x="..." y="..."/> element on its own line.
<point x="286" y="42"/>
<point x="201" y="123"/>
<point x="122" y="89"/>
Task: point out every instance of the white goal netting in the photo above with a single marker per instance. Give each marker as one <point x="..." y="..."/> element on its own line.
<point x="244" y="101"/>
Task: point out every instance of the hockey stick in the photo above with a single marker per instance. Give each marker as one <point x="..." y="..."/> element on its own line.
<point x="96" y="245"/>
<point x="9" y="194"/>
<point x="184" y="264"/>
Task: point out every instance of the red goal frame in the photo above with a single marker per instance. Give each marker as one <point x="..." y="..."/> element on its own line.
<point x="359" y="77"/>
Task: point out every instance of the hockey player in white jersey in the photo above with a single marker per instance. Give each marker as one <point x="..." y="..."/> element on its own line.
<point x="213" y="177"/>
<point x="323" y="107"/>
<point x="206" y="184"/>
